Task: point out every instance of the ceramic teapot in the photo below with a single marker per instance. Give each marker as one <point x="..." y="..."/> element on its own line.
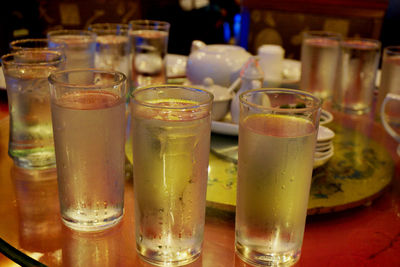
<point x="220" y="62"/>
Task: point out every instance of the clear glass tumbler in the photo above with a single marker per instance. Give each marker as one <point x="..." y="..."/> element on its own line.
<point x="390" y="77"/>
<point x="31" y="143"/>
<point x="36" y="43"/>
<point x="113" y="48"/>
<point x="319" y="60"/>
<point x="277" y="135"/>
<point x="80" y="47"/>
<point x="149" y="48"/>
<point x="356" y="75"/>
<point x="89" y="135"/>
<point x="171" y="146"/>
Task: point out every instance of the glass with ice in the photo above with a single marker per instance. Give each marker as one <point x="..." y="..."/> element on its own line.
<point x="149" y="48"/>
<point x="89" y="128"/>
<point x="277" y="135"/>
<point x="31" y="135"/>
<point x="171" y="145"/>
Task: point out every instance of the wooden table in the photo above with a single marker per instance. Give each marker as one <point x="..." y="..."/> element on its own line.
<point x="368" y="235"/>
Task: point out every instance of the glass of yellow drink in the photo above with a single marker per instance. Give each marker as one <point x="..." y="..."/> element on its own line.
<point x="171" y="145"/>
<point x="277" y="135"/>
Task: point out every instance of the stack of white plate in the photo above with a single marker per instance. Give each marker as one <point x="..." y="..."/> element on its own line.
<point x="324" y="146"/>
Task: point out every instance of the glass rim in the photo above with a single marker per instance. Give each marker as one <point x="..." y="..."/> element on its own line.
<point x="347" y="41"/>
<point x="55" y="33"/>
<point x="317" y="101"/>
<point x="54" y="78"/>
<point x="392" y="50"/>
<point x="108" y="27"/>
<point x="323" y="34"/>
<point x="16" y="44"/>
<point x="150" y="24"/>
<point x="8" y="59"/>
<point x="141" y="90"/>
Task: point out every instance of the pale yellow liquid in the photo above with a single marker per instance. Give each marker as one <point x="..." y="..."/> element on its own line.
<point x="274" y="175"/>
<point x="170" y="161"/>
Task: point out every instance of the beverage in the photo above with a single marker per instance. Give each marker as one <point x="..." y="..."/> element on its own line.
<point x="171" y="142"/>
<point x="274" y="176"/>
<point x="148" y="63"/>
<point x="31" y="136"/>
<point x="113" y="53"/>
<point x="79" y="47"/>
<point x="319" y="59"/>
<point x="390" y="83"/>
<point x="89" y="142"/>
<point x="356" y="75"/>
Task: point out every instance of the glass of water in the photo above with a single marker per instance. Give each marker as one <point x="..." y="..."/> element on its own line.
<point x="149" y="48"/>
<point x="31" y="135"/>
<point x="319" y="60"/>
<point x="356" y="75"/>
<point x="277" y="135"/>
<point x="113" y="47"/>
<point x="88" y="117"/>
<point x="79" y="48"/>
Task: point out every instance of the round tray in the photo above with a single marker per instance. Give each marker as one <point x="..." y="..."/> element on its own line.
<point x="358" y="172"/>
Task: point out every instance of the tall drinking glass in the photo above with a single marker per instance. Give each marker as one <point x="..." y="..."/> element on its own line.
<point x="31" y="135"/>
<point x="171" y="145"/>
<point x="277" y="135"/>
<point x="319" y="60"/>
<point x="355" y="83"/>
<point x="79" y="49"/>
<point x="89" y="135"/>
<point x="390" y="77"/>
<point x="113" y="47"/>
<point x="149" y="48"/>
<point x="36" y="43"/>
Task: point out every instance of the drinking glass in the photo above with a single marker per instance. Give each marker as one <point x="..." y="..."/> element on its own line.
<point x="319" y="60"/>
<point x="113" y="47"/>
<point x="390" y="116"/>
<point x="89" y="134"/>
<point x="36" y="43"/>
<point x="80" y="47"/>
<point x="355" y="82"/>
<point x="390" y="75"/>
<point x="149" y="48"/>
<point x="171" y="146"/>
<point x="31" y="135"/>
<point x="277" y="135"/>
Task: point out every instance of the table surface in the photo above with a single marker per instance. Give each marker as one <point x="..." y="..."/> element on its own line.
<point x="367" y="235"/>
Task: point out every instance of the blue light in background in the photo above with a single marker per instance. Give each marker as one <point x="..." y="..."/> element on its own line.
<point x="227" y="32"/>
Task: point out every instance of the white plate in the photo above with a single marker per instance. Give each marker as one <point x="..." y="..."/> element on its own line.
<point x="324" y="134"/>
<point x="222" y="127"/>
<point x="321" y="161"/>
<point x="176" y="65"/>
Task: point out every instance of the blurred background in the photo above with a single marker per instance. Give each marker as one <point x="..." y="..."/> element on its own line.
<point x="248" y="23"/>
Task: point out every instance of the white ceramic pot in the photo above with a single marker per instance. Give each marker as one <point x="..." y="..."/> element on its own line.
<point x="220" y="62"/>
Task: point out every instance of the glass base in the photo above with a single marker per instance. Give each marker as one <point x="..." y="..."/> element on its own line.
<point x="92" y="226"/>
<point x="160" y="258"/>
<point x="257" y="258"/>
